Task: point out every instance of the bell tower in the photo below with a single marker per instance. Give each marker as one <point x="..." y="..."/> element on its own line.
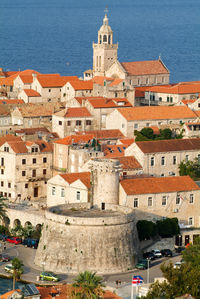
<point x="104" y="52"/>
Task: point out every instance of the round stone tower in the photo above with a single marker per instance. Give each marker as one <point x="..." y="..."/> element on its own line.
<point x="105" y="182"/>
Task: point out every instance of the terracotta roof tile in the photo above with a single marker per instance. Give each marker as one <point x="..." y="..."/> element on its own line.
<point x="9" y="80"/>
<point x="77" y="139"/>
<point x="32" y="93"/>
<point x="10" y="293"/>
<point x="145" y="67"/>
<point x="113" y="151"/>
<point x="116" y="82"/>
<point x="54" y="80"/>
<point x="74" y="112"/>
<point x="84" y="177"/>
<point x="102" y="102"/>
<point x="158" y="185"/>
<point x="127" y="141"/>
<point x="26" y="79"/>
<point x="82" y="85"/>
<point x="11" y="102"/>
<point x="101" y="79"/>
<point x="31" y="131"/>
<point x="129" y="162"/>
<point x="8" y="137"/>
<point x="157" y="112"/>
<point x="64" y="291"/>
<point x="180" y="88"/>
<point x="104" y="134"/>
<point x="172" y="145"/>
<point x="189" y="101"/>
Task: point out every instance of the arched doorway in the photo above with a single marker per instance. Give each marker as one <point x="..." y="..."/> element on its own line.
<point x="28" y="224"/>
<point x="6" y="222"/>
<point x="16" y="223"/>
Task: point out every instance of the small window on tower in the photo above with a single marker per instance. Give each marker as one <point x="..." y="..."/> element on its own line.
<point x="105" y="38"/>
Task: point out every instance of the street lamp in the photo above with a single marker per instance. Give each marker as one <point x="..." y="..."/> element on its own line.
<point x="43" y="265"/>
<point x="148" y="262"/>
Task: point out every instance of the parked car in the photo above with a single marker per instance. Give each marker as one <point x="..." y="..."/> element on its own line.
<point x="49" y="276"/>
<point x="9" y="268"/>
<point x="3" y="237"/>
<point x="157" y="253"/>
<point x="179" y="249"/>
<point x="149" y="256"/>
<point x="142" y="264"/>
<point x="31" y="243"/>
<point x="4" y="258"/>
<point x="166" y="252"/>
<point x="14" y="240"/>
<point x="177" y="265"/>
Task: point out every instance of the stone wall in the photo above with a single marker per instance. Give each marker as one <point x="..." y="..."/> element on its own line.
<point x="101" y="244"/>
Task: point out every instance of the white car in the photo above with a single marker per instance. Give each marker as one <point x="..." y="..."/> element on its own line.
<point x="9" y="268"/>
<point x="177" y="265"/>
<point x="157" y="253"/>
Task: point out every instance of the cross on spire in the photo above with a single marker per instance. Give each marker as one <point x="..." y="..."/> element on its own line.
<point x="106" y="10"/>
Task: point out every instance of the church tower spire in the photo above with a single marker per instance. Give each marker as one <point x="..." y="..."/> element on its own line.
<point x="104" y="52"/>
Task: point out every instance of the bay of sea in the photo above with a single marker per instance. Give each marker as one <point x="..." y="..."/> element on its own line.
<point x="55" y="36"/>
<point x="6" y="285"/>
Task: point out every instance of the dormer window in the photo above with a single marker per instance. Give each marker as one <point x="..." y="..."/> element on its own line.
<point x="34" y="149"/>
<point x="6" y="149"/>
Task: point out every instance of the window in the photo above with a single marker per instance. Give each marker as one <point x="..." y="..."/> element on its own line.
<point x="34" y="173"/>
<point x="123" y="126"/>
<point x="49" y="90"/>
<point x="116" y="94"/>
<point x="105" y="38"/>
<point x="69" y="123"/>
<point x="152" y="161"/>
<point x="186" y="158"/>
<point x="178" y="199"/>
<point x="78" y="195"/>
<point x="9" y="194"/>
<point x="62" y="192"/>
<point x="34" y="149"/>
<point x="168" y="99"/>
<point x="2" y="183"/>
<point x="34" y="161"/>
<point x="150" y="202"/>
<point x="160" y="99"/>
<point x="53" y="191"/>
<point x="2" y="161"/>
<point x="171" y="99"/>
<point x="190" y="221"/>
<point x="44" y="160"/>
<point x="23" y="173"/>
<point x="135" y="126"/>
<point x="9" y="185"/>
<point x="2" y="171"/>
<point x="26" y="186"/>
<point x="23" y="161"/>
<point x="78" y="122"/>
<point x="191" y="198"/>
<point x="88" y="122"/>
<point x="60" y="123"/>
<point x="6" y="149"/>
<point x="174" y="160"/>
<point x="162" y="160"/>
<point x="44" y="171"/>
<point x="147" y="124"/>
<point x="164" y="200"/>
<point x="135" y="203"/>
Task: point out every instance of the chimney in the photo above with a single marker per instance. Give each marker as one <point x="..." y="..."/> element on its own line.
<point x="34" y="75"/>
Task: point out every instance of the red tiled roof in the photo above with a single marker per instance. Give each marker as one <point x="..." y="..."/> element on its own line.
<point x="157" y="112"/>
<point x="10" y="293"/>
<point x="64" y="291"/>
<point x="102" y="102"/>
<point x="54" y="80"/>
<point x="129" y="162"/>
<point x="158" y="185"/>
<point x="188" y="101"/>
<point x="78" y="139"/>
<point x="8" y="137"/>
<point x="127" y="141"/>
<point x="101" y="79"/>
<point x="74" y="112"/>
<point x="84" y="177"/>
<point x="171" y="145"/>
<point x="145" y="67"/>
<point x="31" y="131"/>
<point x="32" y="93"/>
<point x="104" y="134"/>
<point x="10" y="102"/>
<point x="26" y="79"/>
<point x="180" y="88"/>
<point x="82" y="85"/>
<point x="8" y="81"/>
<point x="116" y="150"/>
<point x="115" y="82"/>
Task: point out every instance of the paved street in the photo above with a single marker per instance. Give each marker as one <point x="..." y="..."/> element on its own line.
<point x="31" y="271"/>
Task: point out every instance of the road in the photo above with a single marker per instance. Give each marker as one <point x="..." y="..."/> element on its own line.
<point x="31" y="271"/>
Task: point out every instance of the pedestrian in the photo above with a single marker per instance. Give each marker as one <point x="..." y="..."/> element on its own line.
<point x="117" y="282"/>
<point x="4" y="246"/>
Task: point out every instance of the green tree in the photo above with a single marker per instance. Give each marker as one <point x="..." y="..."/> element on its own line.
<point x="146" y="229"/>
<point x="88" y="286"/>
<point x="17" y="270"/>
<point x="168" y="227"/>
<point x="166" y="134"/>
<point x="148" y="133"/>
<point x="160" y="291"/>
<point x="191" y="168"/>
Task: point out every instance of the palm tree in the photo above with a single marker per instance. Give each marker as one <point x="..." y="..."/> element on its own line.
<point x="3" y="208"/>
<point x="17" y="269"/>
<point x="88" y="285"/>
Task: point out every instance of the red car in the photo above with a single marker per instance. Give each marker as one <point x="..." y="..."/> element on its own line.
<point x="14" y="240"/>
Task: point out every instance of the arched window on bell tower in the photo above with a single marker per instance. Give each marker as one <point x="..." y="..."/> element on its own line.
<point x="100" y="39"/>
<point x="105" y="38"/>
